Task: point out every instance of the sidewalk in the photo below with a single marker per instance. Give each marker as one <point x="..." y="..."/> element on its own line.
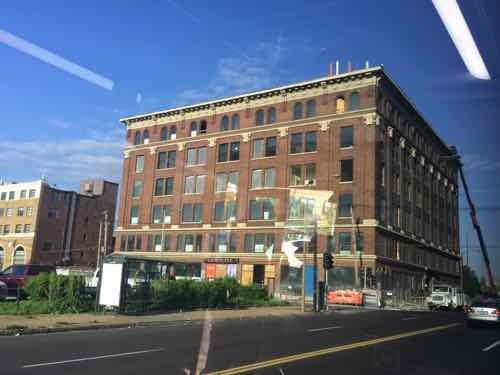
<point x="29" y="324"/>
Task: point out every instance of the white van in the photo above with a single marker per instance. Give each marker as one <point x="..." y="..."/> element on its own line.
<point x="447" y="297"/>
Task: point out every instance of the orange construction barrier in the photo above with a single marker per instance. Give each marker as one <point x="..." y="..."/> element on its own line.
<point x="345" y="297"/>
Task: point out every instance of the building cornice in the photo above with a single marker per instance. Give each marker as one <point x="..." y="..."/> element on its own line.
<point x="323" y="85"/>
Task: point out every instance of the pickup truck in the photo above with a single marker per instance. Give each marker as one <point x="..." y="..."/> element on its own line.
<point x="14" y="277"/>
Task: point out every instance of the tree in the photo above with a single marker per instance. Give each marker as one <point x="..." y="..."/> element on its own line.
<point x="472" y="286"/>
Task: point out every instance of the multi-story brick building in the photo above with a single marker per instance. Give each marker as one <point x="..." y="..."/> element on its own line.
<point x="40" y="224"/>
<point x="209" y="184"/>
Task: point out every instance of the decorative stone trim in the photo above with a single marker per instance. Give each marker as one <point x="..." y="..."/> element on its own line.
<point x="174" y="226"/>
<point x="452" y="187"/>
<point x="180" y="146"/>
<point x="402" y="142"/>
<point x="241" y="225"/>
<point x="390" y="131"/>
<point x="445" y="181"/>
<point x="212" y="141"/>
<point x="126" y="154"/>
<point x="438" y="175"/>
<point x="431" y="169"/>
<point x="245" y="137"/>
<point x="413" y="152"/>
<point x="145" y="227"/>
<point x="152" y="150"/>
<point x="371" y="119"/>
<point x="324" y="125"/>
<point x="422" y="160"/>
<point x="279" y="224"/>
<point x="283" y="132"/>
<point x="207" y="226"/>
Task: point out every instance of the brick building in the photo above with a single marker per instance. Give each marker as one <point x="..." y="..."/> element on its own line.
<point x="210" y="184"/>
<point x="41" y="224"/>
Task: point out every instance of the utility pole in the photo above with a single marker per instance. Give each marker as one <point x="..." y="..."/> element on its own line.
<point x="314" y="243"/>
<point x="99" y="245"/>
<point x="105" y="232"/>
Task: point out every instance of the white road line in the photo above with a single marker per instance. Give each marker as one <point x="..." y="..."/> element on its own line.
<point x="323" y="329"/>
<point x="491" y="346"/>
<point x="410" y="318"/>
<point x="93" y="358"/>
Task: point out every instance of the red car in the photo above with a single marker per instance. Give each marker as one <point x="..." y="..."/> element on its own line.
<point x="16" y="275"/>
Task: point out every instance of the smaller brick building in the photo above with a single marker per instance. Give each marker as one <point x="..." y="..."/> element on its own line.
<point x="44" y="225"/>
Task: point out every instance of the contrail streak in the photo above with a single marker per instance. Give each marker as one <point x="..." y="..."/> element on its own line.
<point x="53" y="59"/>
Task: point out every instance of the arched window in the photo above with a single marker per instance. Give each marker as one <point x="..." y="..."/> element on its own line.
<point x="224" y="123"/>
<point x="340" y="105"/>
<point x="354" y="101"/>
<point x="235" y="122"/>
<point x="194" y="129"/>
<point x="297" y="111"/>
<point x="19" y="255"/>
<point x="259" y="117"/>
<point x="311" y="108"/>
<point x="2" y="255"/>
<point x="145" y="136"/>
<point x="203" y="127"/>
<point x="173" y="132"/>
<point x="164" y="133"/>
<point x="271" y="115"/>
<point x="137" y="138"/>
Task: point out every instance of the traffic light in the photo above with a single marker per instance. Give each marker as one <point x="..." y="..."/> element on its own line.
<point x="327" y="261"/>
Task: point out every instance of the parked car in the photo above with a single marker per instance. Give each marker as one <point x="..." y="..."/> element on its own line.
<point x="15" y="277"/>
<point x="486" y="311"/>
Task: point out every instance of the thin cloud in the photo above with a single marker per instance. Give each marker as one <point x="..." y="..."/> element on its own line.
<point x="55" y="60"/>
<point x="60" y="124"/>
<point x="478" y="163"/>
<point x="243" y="73"/>
<point x="66" y="162"/>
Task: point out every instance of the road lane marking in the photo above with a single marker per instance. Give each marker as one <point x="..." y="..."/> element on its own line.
<point x="496" y="343"/>
<point x="323" y="329"/>
<point x="93" y="358"/>
<point x="322" y="352"/>
<point x="410" y="318"/>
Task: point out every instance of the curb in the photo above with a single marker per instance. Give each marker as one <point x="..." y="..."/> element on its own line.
<point x="154" y="323"/>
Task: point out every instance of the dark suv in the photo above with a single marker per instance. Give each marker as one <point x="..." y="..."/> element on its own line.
<point x="14" y="277"/>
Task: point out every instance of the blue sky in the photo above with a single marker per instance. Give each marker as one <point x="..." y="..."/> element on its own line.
<point x="168" y="53"/>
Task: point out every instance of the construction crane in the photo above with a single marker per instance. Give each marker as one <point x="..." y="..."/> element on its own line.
<point x="454" y="157"/>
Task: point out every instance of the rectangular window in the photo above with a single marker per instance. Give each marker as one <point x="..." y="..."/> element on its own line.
<point x="346" y="170"/>
<point x="9" y="212"/>
<point x="19" y="228"/>
<point x="137" y="191"/>
<point x="270" y="146"/>
<point x="311" y="141"/>
<point x="11" y="195"/>
<point x="300" y="208"/>
<point x="3" y="196"/>
<point x="270" y="177"/>
<point x="134" y="215"/>
<point x="20" y="211"/>
<point x="310" y="174"/>
<point x="295" y="175"/>
<point x="157" y="214"/>
<point x="23" y="194"/>
<point x="29" y="211"/>
<point x="257" y="178"/>
<point x="360" y="242"/>
<point x="191" y="213"/>
<point x="296" y="143"/>
<point x="191" y="157"/>
<point x="200" y="184"/>
<point x="162" y="160"/>
<point x="6" y="229"/>
<point x="180" y="242"/>
<point x="235" y="151"/>
<point x="139" y="163"/>
<point x="262" y="209"/>
<point x="2" y="211"/>
<point x="189" y="185"/>
<point x="169" y="186"/>
<point x="345" y="205"/>
<point x="258" y="148"/>
<point x="164" y="186"/>
<point x="226" y="181"/>
<point x="32" y="193"/>
<point x="222" y="154"/>
<point x="345" y="241"/>
<point x="248" y="245"/>
<point x="171" y="157"/>
<point x="346" y="136"/>
<point x="202" y="156"/>
<point x="219" y="211"/>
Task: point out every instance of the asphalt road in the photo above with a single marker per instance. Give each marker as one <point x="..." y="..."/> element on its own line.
<point x="343" y="342"/>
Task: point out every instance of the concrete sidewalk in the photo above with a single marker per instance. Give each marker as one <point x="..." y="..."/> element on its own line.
<point x="45" y="323"/>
